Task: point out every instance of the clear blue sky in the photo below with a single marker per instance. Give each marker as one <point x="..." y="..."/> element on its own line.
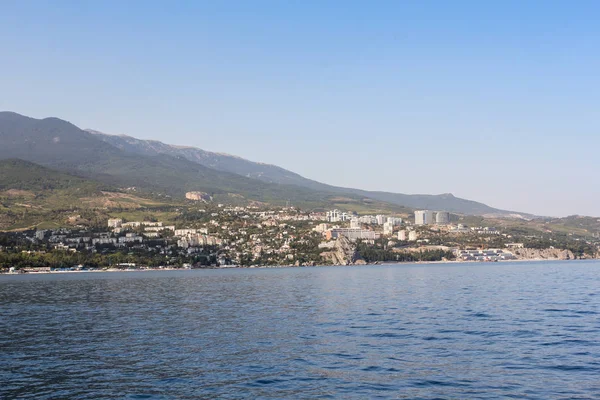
<point x="493" y="101"/>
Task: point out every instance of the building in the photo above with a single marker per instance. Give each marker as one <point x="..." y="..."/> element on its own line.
<point x="345" y="216"/>
<point x="442" y="218"/>
<point x="367" y="219"/>
<point x="484" y="255"/>
<point x="388" y="228"/>
<point x="402" y="235"/>
<point x="333" y="216"/>
<point x="424" y="217"/>
<point x="420" y="217"/>
<point x="381" y="219"/>
<point x="185" y="232"/>
<point x="104" y="240"/>
<point x="352" y="234"/>
<point x="412" y="236"/>
<point x="131" y="238"/>
<point x="354" y="223"/>
<point x="115" y="222"/>
<point x="321" y="228"/>
<point x="395" y="221"/>
<point x="460" y="229"/>
<point x="152" y="224"/>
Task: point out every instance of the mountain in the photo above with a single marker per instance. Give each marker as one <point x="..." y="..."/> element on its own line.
<point x="153" y="166"/>
<point x="274" y="174"/>
<point x="219" y="161"/>
<point x="60" y="145"/>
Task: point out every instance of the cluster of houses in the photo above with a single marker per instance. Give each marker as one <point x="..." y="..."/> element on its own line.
<point x="279" y="235"/>
<point x="484" y="255"/>
<point x="366" y="228"/>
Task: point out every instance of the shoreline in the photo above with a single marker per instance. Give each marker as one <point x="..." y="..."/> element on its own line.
<point x="112" y="270"/>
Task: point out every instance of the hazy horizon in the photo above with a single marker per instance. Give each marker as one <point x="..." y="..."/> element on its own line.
<point x="493" y="103"/>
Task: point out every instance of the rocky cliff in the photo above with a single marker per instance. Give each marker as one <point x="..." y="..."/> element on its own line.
<point x="543" y="254"/>
<point x="343" y="253"/>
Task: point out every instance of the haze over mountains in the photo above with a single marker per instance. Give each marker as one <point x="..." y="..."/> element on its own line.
<point x="156" y="166"/>
<point x="274" y="174"/>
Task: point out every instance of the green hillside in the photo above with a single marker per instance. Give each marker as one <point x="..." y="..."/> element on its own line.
<point x="35" y="196"/>
<point x="22" y="175"/>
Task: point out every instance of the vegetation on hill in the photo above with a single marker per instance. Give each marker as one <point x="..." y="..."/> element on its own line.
<point x="381" y="253"/>
<point x="36" y="196"/>
<point x="20" y="175"/>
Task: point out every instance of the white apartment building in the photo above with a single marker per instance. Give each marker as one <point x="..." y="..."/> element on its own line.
<point x="367" y="219"/>
<point x="352" y="234"/>
<point x="185" y="232"/>
<point x="424" y="217"/>
<point x="442" y="218"/>
<point x="131" y="224"/>
<point x="115" y="222"/>
<point x="321" y="228"/>
<point x="333" y="216"/>
<point x="388" y="228"/>
<point x="395" y="221"/>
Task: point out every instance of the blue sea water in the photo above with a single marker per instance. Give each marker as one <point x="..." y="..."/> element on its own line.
<point x="439" y="331"/>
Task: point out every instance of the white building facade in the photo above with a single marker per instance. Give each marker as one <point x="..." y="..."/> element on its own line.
<point x="424" y="217"/>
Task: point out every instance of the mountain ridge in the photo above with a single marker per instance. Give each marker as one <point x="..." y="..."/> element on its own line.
<point x="60" y="145"/>
<point x="125" y="161"/>
<point x="275" y="174"/>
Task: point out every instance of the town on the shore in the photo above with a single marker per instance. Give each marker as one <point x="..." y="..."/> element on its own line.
<point x="222" y="236"/>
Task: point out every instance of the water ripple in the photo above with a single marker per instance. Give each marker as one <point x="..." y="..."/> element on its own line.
<point x="417" y="332"/>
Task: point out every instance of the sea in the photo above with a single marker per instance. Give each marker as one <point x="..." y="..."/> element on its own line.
<point x="526" y="330"/>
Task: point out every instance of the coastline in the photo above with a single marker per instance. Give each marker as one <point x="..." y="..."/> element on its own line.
<point x="141" y="270"/>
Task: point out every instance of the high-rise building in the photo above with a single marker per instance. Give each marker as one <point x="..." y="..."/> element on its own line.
<point x="442" y="218"/>
<point x="345" y="216"/>
<point x="395" y="220"/>
<point x="381" y="219"/>
<point x="402" y="235"/>
<point x="412" y="236"/>
<point x="420" y="217"/>
<point x="388" y="228"/>
<point x="333" y="216"/>
<point x="424" y="217"/>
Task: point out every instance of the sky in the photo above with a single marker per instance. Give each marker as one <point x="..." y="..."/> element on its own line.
<point x="497" y="102"/>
